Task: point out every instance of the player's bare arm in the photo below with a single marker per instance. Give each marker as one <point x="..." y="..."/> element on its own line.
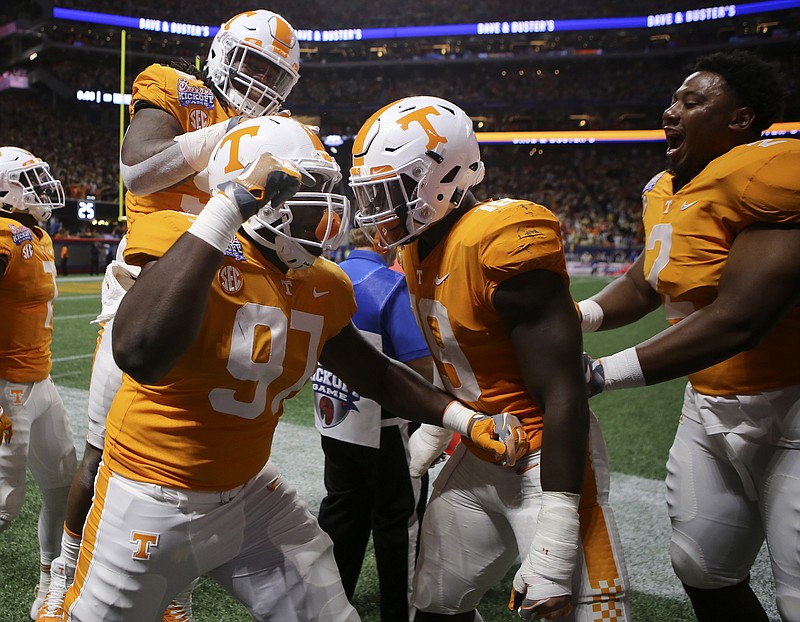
<point x="537" y="309"/>
<point x="373" y="374"/>
<point x="627" y="299"/>
<point x="150" y="159"/>
<point x="539" y="313"/>
<point x="404" y="392"/>
<point x="160" y="316"/>
<point x="760" y="283"/>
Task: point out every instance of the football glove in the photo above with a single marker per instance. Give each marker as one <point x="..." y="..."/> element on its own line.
<point x="512" y="442"/>
<point x="595" y="375"/>
<point x="543" y="583"/>
<point x="267" y="179"/>
<point x="6" y="431"/>
<point x="426" y="447"/>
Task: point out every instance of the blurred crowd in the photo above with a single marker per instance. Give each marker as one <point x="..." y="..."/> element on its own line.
<point x="576" y="80"/>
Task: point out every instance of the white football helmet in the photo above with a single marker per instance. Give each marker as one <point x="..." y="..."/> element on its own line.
<point x="321" y="218"/>
<point x="253" y="62"/>
<point x="413" y="162"/>
<point x="26" y="185"/>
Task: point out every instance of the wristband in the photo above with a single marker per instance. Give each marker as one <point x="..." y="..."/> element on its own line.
<point x="458" y="417"/>
<point x="591" y="315"/>
<point x="622" y="370"/>
<point x="218" y="222"/>
<point x="196" y="146"/>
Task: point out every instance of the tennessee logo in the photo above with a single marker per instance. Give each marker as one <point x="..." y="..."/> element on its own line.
<point x="143" y="541"/>
<point x="230" y="279"/>
<point x="421" y="116"/>
<point x="15" y="395"/>
<point x="234" y="139"/>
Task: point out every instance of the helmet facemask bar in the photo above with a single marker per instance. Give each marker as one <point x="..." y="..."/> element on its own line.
<point x="388" y="207"/>
<point x="34" y="191"/>
<point x="256" y="83"/>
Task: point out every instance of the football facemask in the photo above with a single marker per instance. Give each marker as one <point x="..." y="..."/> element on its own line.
<point x="315" y="219"/>
<point x="26" y="185"/>
<point x="413" y="162"/>
<point x="253" y="61"/>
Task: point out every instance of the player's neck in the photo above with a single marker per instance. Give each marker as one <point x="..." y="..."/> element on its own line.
<point x="431" y="238"/>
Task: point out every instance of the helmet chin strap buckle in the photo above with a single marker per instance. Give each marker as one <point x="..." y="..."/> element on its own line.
<point x="292" y="254"/>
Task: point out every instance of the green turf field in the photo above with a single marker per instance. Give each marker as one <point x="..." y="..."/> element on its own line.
<point x="638" y="427"/>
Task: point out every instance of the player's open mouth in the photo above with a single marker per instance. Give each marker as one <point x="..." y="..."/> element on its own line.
<point x="674" y="141"/>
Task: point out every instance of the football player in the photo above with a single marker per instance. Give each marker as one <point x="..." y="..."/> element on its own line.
<point x="34" y="424"/>
<point x="178" y="115"/>
<point x="723" y="259"/>
<point x="228" y="318"/>
<point x="489" y="286"/>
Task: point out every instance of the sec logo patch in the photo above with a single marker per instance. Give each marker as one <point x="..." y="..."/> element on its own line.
<point x="230" y="279"/>
<point x="198" y="119"/>
<point x="27" y="251"/>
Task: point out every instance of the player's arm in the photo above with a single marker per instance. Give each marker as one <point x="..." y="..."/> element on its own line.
<point x="405" y="393"/>
<point x="760" y="283"/>
<point x="538" y="311"/>
<point x="623" y="301"/>
<point x="157" y="153"/>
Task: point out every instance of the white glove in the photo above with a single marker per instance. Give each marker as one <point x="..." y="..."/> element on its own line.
<point x="546" y="573"/>
<point x="425" y="446"/>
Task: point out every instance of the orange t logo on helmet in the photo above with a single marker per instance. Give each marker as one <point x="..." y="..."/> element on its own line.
<point x="421" y="117"/>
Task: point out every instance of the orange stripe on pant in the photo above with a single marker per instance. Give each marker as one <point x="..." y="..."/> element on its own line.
<point x="89" y="536"/>
<point x="605" y="582"/>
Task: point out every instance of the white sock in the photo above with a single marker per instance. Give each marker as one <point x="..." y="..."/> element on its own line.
<point x="70" y="547"/>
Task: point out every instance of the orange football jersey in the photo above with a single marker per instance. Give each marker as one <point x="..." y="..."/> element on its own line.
<point x="689" y="236"/>
<point x="27" y="291"/>
<point x="195" y="106"/>
<point x="451" y="293"/>
<point x="208" y="425"/>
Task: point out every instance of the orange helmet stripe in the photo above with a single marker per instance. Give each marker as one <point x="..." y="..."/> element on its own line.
<point x="284" y="36"/>
<point x="361" y="137"/>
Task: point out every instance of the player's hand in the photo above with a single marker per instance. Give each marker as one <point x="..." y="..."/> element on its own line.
<point x="595" y="375"/>
<point x="6" y="431"/>
<point x="267" y="179"/>
<point x="546" y="609"/>
<point x="501" y="434"/>
<point x="543" y="583"/>
<point x="426" y="447"/>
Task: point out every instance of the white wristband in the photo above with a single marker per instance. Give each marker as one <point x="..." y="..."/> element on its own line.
<point x="591" y="315"/>
<point x="458" y="417"/>
<point x="218" y="222"/>
<point x="197" y="146"/>
<point x="622" y="370"/>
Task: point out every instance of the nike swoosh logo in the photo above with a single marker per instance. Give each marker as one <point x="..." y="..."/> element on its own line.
<point x="317" y="294"/>
<point x="521" y="470"/>
<point x="440" y="280"/>
<point x="687" y="205"/>
<point x="273" y="484"/>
